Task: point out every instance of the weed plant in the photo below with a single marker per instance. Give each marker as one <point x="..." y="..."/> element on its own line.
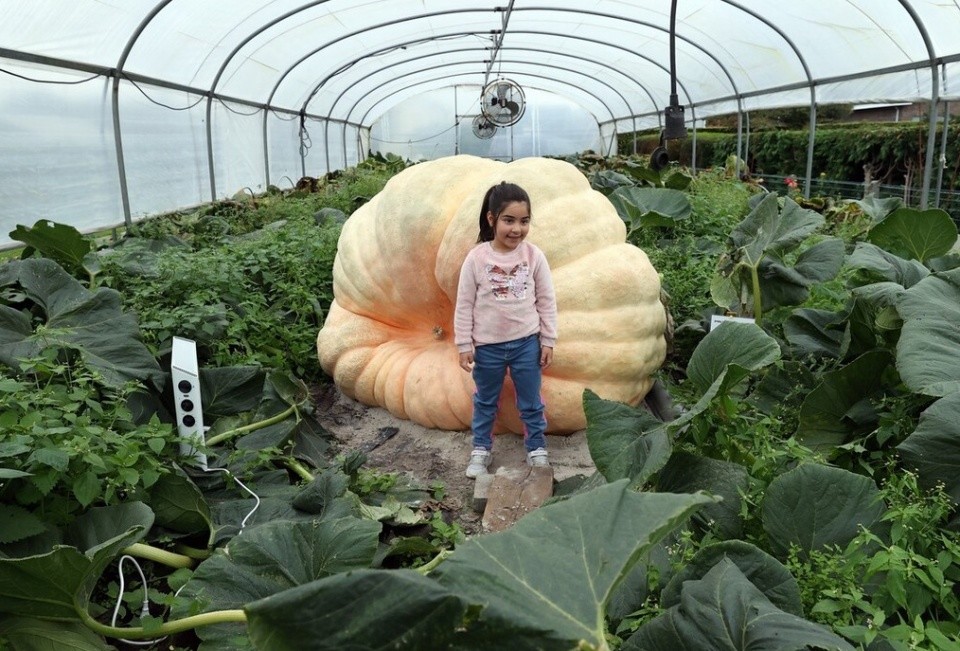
<point x="249" y="280"/>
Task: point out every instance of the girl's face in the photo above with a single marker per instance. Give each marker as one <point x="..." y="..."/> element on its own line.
<point x="511" y="226"/>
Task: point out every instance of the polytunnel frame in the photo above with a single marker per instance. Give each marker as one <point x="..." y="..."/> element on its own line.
<point x="613" y="120"/>
<point x="461" y="63"/>
<point x="475" y="49"/>
<point x="465" y="74"/>
<point x="633" y="116"/>
<point x="935" y="64"/>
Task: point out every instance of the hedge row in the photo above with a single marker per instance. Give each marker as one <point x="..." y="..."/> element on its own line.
<point x="894" y="151"/>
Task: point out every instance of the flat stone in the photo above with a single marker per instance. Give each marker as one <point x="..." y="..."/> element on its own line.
<point x="481" y="489"/>
<point x="514" y="492"/>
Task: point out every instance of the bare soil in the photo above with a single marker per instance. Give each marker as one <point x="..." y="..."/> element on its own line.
<point x="429" y="455"/>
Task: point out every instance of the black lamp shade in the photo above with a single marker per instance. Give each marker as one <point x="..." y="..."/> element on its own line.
<point x="674" y="126"/>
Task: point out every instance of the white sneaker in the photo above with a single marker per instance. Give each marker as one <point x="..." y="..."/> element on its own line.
<point x="479" y="462"/>
<point x="538" y="458"/>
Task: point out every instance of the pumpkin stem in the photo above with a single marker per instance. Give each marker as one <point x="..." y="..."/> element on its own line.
<point x="438" y="333"/>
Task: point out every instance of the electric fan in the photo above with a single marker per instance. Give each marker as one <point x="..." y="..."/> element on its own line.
<point x="502" y="102"/>
<point x="483" y="128"/>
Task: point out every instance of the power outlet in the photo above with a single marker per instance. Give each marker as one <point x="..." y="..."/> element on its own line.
<point x="185" y="374"/>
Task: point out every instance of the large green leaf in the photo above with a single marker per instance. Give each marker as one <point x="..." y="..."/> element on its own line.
<point x="915" y="234"/>
<point x="688" y="473"/>
<point x="90" y="322"/>
<point x="230" y="390"/>
<point x="877" y="208"/>
<point x="724" y="611"/>
<point x="783" y="386"/>
<point x="645" y="207"/>
<point x="546" y="581"/>
<point x="824" y="415"/>
<point x="373" y="610"/>
<point x="624" y="442"/>
<point x="179" y="505"/>
<point x="769" y="230"/>
<point x="814" y="332"/>
<point x="822" y="261"/>
<point x="60" y="242"/>
<point x="724" y="358"/>
<point x="763" y="570"/>
<point x="815" y="506"/>
<point x="880" y="265"/>
<point x="57" y="584"/>
<point x="934" y="446"/>
<point x="17" y="523"/>
<point x="27" y="634"/>
<point x="274" y="557"/>
<point x="930" y="339"/>
<point x="745" y="345"/>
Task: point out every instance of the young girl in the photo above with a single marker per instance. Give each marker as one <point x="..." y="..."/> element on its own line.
<point x="506" y="317"/>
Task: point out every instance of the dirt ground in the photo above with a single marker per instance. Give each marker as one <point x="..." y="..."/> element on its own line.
<point x="428" y="455"/>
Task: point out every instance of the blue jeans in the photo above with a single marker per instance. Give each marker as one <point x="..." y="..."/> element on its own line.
<point x="522" y="357"/>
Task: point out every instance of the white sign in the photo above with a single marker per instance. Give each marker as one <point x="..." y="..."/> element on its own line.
<point x="716" y="319"/>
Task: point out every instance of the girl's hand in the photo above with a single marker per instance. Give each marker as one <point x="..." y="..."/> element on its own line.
<point x="546" y="356"/>
<point x="466" y="361"/>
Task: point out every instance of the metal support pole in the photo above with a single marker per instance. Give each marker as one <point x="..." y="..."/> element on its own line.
<point x="811" y="139"/>
<point x="943" y="152"/>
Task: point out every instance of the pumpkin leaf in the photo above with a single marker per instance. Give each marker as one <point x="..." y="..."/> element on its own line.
<point x="55" y="584"/>
<point x="915" y="234"/>
<point x="271" y="559"/>
<point x="929" y="339"/>
<point x="877" y="208"/>
<point x="824" y="414"/>
<point x="647" y="207"/>
<point x="90" y="322"/>
<point x="17" y="523"/>
<point x="815" y="506"/>
<point x="179" y="505"/>
<point x="761" y="569"/>
<point x="724" y="611"/>
<point x="689" y="473"/>
<point x="230" y="390"/>
<point x="555" y="570"/>
<point x="324" y="614"/>
<point x="768" y="230"/>
<point x="878" y="265"/>
<point x="732" y="343"/>
<point x="814" y="332"/>
<point x="933" y="448"/>
<point x="60" y="242"/>
<point x="28" y="634"/>
<point x="624" y="442"/>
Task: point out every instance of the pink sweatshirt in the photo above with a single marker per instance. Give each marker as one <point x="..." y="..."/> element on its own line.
<point x="504" y="296"/>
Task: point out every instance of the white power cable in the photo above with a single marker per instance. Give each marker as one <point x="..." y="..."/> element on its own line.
<point x="145" y="609"/>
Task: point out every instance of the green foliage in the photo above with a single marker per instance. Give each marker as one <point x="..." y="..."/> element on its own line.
<point x="755" y="275"/>
<point x="75" y="441"/>
<point x="257" y="300"/>
<point x="826" y="438"/>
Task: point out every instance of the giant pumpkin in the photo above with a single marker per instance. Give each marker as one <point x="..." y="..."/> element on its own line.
<point x="388" y="337"/>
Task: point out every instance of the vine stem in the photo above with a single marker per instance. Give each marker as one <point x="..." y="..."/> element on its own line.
<point x="757" y="298"/>
<point x="161" y="556"/>
<point x="273" y="420"/>
<point x="167" y="628"/>
<point x="299" y="469"/>
<point x="439" y="558"/>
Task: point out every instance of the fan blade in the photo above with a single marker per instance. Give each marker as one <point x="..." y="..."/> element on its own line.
<point x="513" y="107"/>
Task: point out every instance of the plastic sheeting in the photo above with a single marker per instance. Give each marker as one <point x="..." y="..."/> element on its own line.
<point x="216" y="96"/>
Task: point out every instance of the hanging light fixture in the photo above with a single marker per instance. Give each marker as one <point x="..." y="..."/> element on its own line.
<point x="674" y="125"/>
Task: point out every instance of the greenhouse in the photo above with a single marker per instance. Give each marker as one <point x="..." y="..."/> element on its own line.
<point x="140" y="108"/>
<point x="242" y="346"/>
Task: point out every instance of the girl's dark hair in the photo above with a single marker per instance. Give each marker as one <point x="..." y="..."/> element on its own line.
<point x="494" y="201"/>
